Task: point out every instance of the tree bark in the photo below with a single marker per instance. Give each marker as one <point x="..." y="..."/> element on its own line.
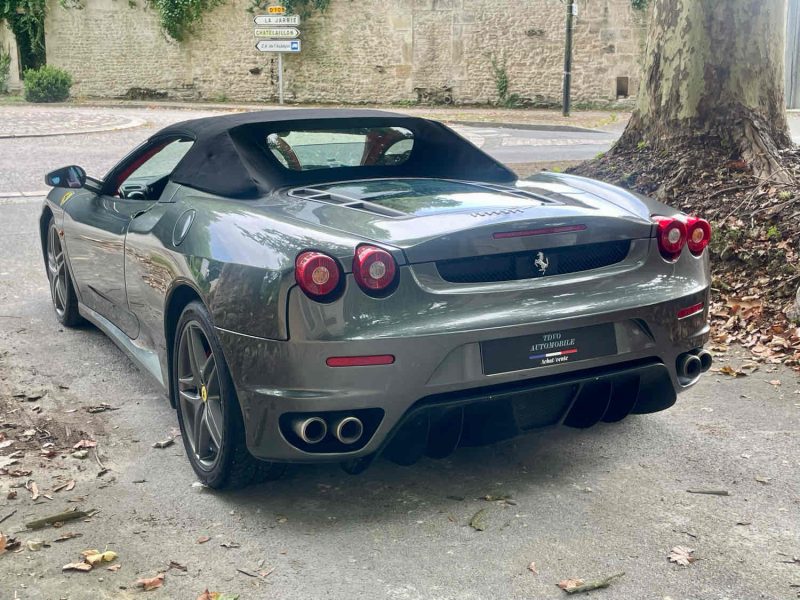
<point x="714" y="77"/>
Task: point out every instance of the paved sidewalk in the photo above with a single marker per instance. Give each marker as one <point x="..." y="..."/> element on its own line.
<point x="27" y="120"/>
<point x="467" y="115"/>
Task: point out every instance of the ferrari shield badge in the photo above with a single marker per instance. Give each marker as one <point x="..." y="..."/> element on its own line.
<point x="541" y="263"/>
<point x="66" y="197"/>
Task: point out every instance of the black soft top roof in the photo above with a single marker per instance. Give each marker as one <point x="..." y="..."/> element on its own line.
<point x="230" y="155"/>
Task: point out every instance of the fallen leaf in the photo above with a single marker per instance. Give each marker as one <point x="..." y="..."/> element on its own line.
<point x="152" y="583"/>
<point x="729" y="370"/>
<point x="31" y="486"/>
<point x="81" y="454"/>
<point x="477" y="522"/>
<point x="114" y="568"/>
<point x="6" y="444"/>
<point x="12" y="494"/>
<point x="67" y="536"/>
<point x="682" y="556"/>
<point x="775" y="382"/>
<point x="8" y="544"/>
<point x="173" y="564"/>
<point x="570" y="584"/>
<point x="93" y="557"/>
<point x="578" y="586"/>
<point x="85" y="444"/>
<point x="217" y="596"/>
<point x="7" y="461"/>
<point x="102" y="407"/>
<point x="532" y="568"/>
<point x="164" y="443"/>
<point x="495" y="498"/>
<point x="203" y="539"/>
<point x="35" y="545"/>
<point x="764" y="480"/>
<point x="77" y="566"/>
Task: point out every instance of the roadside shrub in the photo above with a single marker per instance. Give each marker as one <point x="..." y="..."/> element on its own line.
<point x="5" y="69"/>
<point x="47" y="84"/>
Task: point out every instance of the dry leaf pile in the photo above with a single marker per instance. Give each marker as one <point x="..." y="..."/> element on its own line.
<point x="755" y="248"/>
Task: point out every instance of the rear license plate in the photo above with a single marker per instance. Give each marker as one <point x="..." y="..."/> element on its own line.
<point x="546" y="349"/>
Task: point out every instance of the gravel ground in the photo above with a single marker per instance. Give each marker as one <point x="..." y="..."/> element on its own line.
<point x="582" y="503"/>
<point x="585" y="503"/>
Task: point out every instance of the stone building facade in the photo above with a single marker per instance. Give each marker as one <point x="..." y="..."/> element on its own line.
<point x="370" y="51"/>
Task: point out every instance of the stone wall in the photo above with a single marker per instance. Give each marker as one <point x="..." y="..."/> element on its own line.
<point x="357" y="51"/>
<point x="9" y="44"/>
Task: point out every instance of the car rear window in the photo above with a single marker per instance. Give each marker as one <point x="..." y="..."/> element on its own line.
<point x="306" y="150"/>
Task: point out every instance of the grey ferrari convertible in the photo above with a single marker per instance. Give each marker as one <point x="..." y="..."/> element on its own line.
<point x="333" y="285"/>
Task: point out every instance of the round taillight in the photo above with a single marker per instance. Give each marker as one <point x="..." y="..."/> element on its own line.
<point x="698" y="235"/>
<point x="317" y="274"/>
<point x="375" y="270"/>
<point x="671" y="236"/>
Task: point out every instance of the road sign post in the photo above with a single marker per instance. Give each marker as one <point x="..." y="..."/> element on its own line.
<point x="280" y="78"/>
<point x="279" y="33"/>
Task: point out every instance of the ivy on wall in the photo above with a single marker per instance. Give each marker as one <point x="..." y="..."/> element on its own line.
<point x="178" y="17"/>
<point x="25" y="18"/>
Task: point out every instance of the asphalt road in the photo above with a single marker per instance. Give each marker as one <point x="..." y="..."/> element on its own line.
<point x="23" y="160"/>
<point x="585" y="503"/>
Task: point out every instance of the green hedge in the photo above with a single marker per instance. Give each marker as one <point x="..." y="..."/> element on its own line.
<point x="47" y="84"/>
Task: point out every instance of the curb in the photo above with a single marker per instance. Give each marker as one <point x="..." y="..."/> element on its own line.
<point x="133" y="122"/>
<point x="156" y="105"/>
<point x="528" y="126"/>
<point x="7" y="198"/>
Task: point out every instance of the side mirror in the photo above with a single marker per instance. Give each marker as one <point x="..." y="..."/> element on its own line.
<point x="66" y="177"/>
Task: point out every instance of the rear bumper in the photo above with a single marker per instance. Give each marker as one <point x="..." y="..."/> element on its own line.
<point x="278" y="379"/>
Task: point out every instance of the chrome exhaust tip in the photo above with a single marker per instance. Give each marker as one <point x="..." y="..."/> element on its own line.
<point x="706" y="360"/>
<point x="689" y="366"/>
<point x="348" y="430"/>
<point x="311" y="430"/>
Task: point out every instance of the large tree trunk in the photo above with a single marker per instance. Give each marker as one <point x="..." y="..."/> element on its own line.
<point x="714" y="77"/>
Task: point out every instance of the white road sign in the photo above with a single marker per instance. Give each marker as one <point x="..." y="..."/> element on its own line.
<point x="278" y="45"/>
<point x="277" y="19"/>
<point x="277" y="32"/>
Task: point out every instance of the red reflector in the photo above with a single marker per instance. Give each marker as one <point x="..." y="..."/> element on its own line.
<point x="691" y="310"/>
<point x="360" y="361"/>
<point x="502" y="235"/>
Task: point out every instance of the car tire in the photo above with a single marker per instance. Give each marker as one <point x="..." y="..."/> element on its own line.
<point x="62" y="293"/>
<point x="209" y="415"/>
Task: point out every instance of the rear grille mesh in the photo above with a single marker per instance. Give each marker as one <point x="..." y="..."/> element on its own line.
<point x="523" y="265"/>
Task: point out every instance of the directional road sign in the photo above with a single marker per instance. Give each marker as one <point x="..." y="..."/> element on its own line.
<point x="277" y="32"/>
<point x="277" y="19"/>
<point x="278" y="45"/>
